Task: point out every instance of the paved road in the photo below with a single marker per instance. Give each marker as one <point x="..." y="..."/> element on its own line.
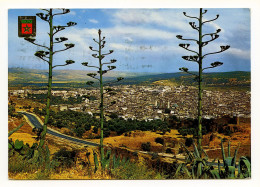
<point x="38" y="125"/>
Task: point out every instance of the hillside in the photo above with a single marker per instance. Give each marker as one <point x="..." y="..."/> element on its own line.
<point x="35" y="75"/>
<point x="18" y="77"/>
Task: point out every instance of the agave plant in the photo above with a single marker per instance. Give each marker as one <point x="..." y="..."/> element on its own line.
<point x="200" y="166"/>
<point x="229" y="162"/>
<point x="110" y="161"/>
<point x="196" y="167"/>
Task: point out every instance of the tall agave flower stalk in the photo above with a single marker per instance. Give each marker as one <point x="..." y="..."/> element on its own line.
<point x="101" y="70"/>
<point x="47" y="55"/>
<point x="198" y="57"/>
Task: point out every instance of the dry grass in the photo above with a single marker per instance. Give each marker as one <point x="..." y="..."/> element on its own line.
<point x="134" y="139"/>
<point x="25" y="137"/>
<point x="66" y="174"/>
<point x="242" y="137"/>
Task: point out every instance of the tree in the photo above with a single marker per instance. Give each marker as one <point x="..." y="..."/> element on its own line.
<point x="199" y="57"/>
<point x="100" y="56"/>
<point x="47" y="55"/>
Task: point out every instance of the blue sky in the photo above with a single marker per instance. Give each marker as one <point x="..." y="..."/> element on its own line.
<point x="143" y="40"/>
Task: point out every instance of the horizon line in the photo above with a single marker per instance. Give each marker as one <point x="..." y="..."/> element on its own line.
<point x="125" y="71"/>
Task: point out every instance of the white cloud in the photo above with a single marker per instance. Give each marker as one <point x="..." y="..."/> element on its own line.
<point x="244" y="54"/>
<point x="139" y="32"/>
<point x="93" y="21"/>
<point x="144" y="16"/>
<point x="128" y="39"/>
<point x="147" y="48"/>
<point x="123" y="33"/>
<point x="123" y="47"/>
<point x="214" y="25"/>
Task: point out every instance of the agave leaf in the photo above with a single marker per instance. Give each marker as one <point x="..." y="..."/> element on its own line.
<point x="229" y="148"/>
<point x="212" y="163"/>
<point x="188" y="152"/>
<point x="47" y="153"/>
<point x="196" y="152"/>
<point x="95" y="161"/>
<point x="106" y="163"/>
<point x="30" y="153"/>
<point x="118" y="160"/>
<point x="123" y="160"/>
<point x="35" y="157"/>
<point x="223" y="151"/>
<point x="178" y="170"/>
<point x="205" y="153"/>
<point x="114" y="161"/>
<point x="127" y="161"/>
<point x="193" y="172"/>
<point x="199" y="169"/>
<point x="215" y="174"/>
<point x="185" y="169"/>
<point x="228" y="161"/>
<point x="194" y="155"/>
<point x="108" y="154"/>
<point x="244" y="161"/>
<point x="231" y="172"/>
<point x="219" y="169"/>
<point x="235" y="156"/>
<point x="107" y="159"/>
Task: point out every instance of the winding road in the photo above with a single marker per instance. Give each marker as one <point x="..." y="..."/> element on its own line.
<point x="35" y="122"/>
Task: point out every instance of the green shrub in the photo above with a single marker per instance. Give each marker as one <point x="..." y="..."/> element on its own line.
<point x="155" y="156"/>
<point x="65" y="158"/>
<point x="18" y="164"/>
<point x="146" y="146"/>
<point x="188" y="142"/>
<point x="113" y="116"/>
<point x="133" y="171"/>
<point x="168" y="150"/>
<point x="11" y="110"/>
<point x="79" y="131"/>
<point x="159" y="140"/>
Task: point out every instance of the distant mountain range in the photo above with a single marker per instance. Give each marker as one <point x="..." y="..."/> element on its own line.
<point x="75" y="78"/>
<point x="36" y="75"/>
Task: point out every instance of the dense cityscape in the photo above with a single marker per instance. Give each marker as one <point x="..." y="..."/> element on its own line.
<point x="154" y="102"/>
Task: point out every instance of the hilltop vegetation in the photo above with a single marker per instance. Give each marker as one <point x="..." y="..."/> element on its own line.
<point x="22" y="75"/>
<point x="65" y="79"/>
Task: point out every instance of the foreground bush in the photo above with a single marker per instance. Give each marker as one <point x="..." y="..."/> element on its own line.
<point x="146" y="146"/>
<point x="133" y="171"/>
<point x="23" y="158"/>
<point x="65" y="158"/>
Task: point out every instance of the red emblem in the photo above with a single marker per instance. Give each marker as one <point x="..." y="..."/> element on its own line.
<point x="26" y="26"/>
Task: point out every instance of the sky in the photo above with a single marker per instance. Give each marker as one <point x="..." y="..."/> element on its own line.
<point x="143" y="40"/>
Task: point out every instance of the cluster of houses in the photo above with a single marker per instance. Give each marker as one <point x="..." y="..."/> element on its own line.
<point x="155" y="102"/>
